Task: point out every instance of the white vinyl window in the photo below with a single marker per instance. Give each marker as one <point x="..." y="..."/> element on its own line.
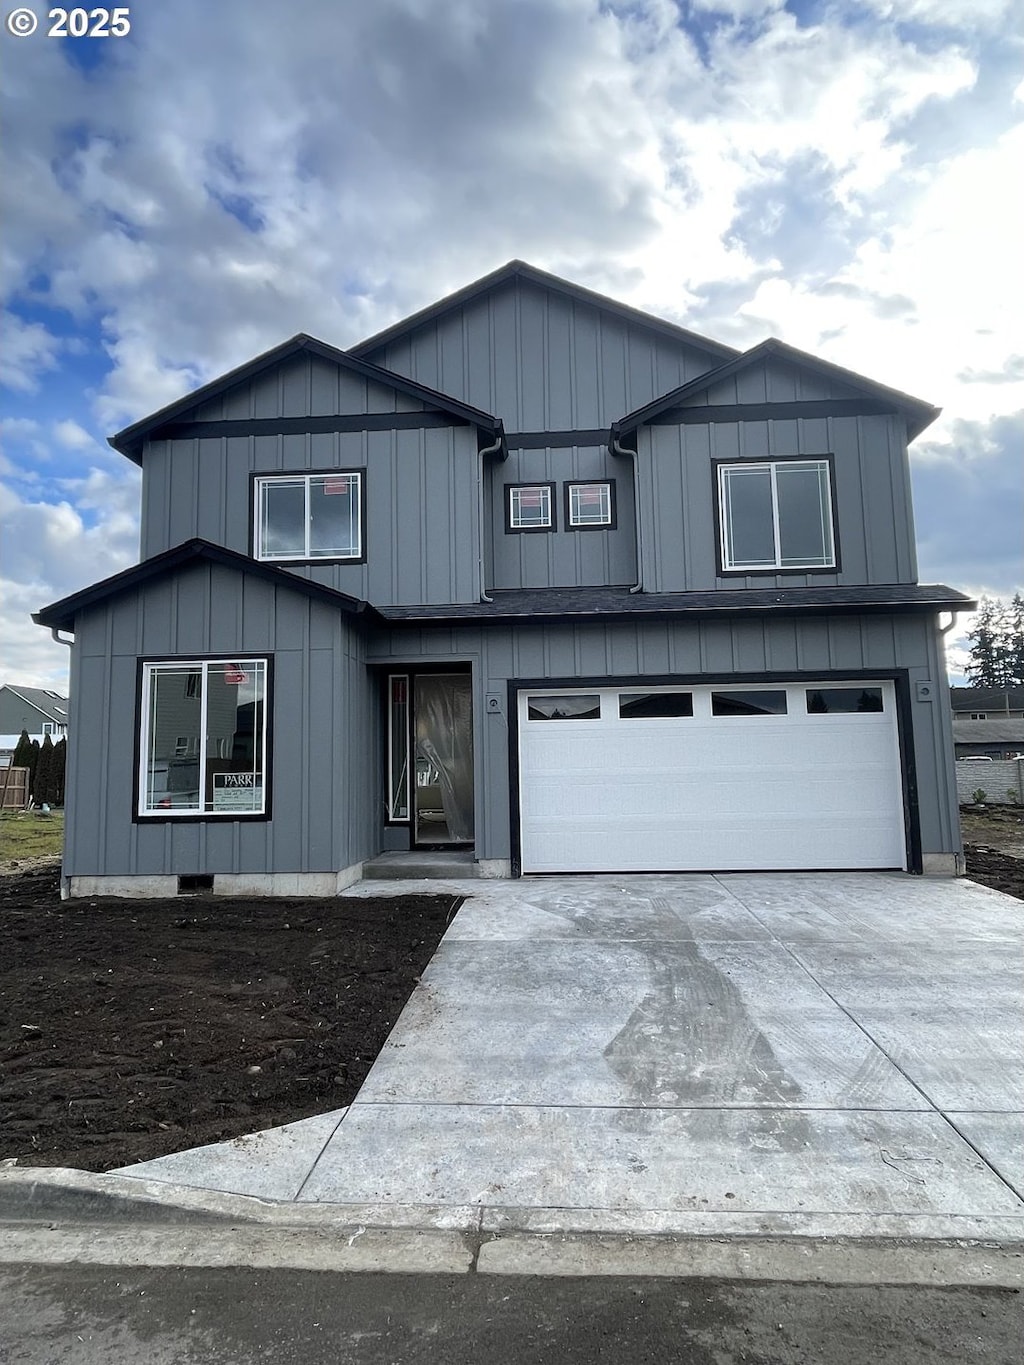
<point x="589" y="504"/>
<point x="776" y="514"/>
<point x="309" y="516"/>
<point x="530" y="507"/>
<point x="203" y="744"/>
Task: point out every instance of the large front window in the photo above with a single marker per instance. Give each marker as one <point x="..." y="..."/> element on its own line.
<point x="776" y="515"/>
<point x="309" y="516"/>
<point x="204" y="738"/>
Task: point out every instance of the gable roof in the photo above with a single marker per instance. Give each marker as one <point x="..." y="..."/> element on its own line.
<point x="1008" y="731"/>
<point x="129" y="441"/>
<point x="50" y="704"/>
<point x="522" y="270"/>
<point x="61" y="615"/>
<point x="917" y="413"/>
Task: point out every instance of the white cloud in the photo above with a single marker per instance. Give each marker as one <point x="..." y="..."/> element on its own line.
<point x="72" y="436"/>
<point x="29" y="351"/>
<point x="231" y="177"/>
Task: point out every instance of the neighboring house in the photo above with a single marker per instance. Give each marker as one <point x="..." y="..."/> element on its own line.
<point x="988" y="722"/>
<point x="531" y="574"/>
<point x="987" y="703"/>
<point x="34" y="709"/>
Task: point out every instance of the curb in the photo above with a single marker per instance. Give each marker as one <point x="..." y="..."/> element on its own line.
<point x="61" y="1216"/>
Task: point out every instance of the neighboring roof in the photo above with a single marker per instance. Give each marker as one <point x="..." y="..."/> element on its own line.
<point x="918" y="414"/>
<point x="987" y="698"/>
<point x="582" y="604"/>
<point x="988" y="731"/>
<point x="129" y="441"/>
<point x="61" y="615"/>
<point x="521" y="270"/>
<point x="50" y="704"/>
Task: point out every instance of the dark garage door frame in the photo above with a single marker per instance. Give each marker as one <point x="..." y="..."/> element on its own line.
<point x="899" y="677"/>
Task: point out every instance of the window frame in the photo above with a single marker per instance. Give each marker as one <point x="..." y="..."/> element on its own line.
<point x="552" y="523"/>
<point x="144" y="672"/>
<point x="260" y="477"/>
<point x="772" y="463"/>
<point x="571" y="525"/>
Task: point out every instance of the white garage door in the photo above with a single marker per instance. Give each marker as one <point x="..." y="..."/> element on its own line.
<point x="795" y="775"/>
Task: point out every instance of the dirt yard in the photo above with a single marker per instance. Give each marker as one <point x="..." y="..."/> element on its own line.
<point x="131" y="1029"/>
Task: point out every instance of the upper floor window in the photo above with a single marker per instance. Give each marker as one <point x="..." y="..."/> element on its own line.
<point x="309" y="516"/>
<point x="589" y="505"/>
<point x="530" y="507"/>
<point x="776" y="515"/>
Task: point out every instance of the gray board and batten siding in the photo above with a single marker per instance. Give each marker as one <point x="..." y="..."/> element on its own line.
<point x="421" y="483"/>
<point x="904" y="647"/>
<point x="871" y="495"/>
<point x="544" y="361"/>
<point x="326" y="742"/>
<point x="562" y="557"/>
<point x="325" y="775"/>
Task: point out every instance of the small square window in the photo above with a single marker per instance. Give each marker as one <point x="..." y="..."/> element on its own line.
<point x="589" y="506"/>
<point x="530" y="507"/>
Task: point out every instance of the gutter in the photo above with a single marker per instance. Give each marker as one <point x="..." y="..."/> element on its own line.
<point x="499" y="445"/>
<point x="617" y="449"/>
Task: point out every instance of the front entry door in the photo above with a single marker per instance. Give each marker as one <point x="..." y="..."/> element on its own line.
<point x="442" y="723"/>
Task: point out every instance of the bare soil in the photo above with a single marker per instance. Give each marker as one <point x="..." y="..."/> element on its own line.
<point x="994" y="846"/>
<point x="132" y="1029"/>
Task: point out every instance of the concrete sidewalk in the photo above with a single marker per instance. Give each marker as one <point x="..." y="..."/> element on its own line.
<point x="751" y="1055"/>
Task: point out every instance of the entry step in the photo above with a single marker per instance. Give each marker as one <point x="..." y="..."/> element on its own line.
<point x="421" y="863"/>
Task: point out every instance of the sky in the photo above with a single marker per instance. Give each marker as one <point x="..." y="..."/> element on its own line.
<point x="843" y="176"/>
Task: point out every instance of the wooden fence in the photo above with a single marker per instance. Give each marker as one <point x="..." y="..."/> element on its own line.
<point x="13" y="788"/>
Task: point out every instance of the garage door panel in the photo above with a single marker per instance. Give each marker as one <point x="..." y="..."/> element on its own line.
<point x="701" y="792"/>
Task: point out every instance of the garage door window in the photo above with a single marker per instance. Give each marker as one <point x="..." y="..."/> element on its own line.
<point x="843" y="700"/>
<point x="776" y="515"/>
<point x="654" y="705"/>
<point x="586" y="706"/>
<point x="748" y="703"/>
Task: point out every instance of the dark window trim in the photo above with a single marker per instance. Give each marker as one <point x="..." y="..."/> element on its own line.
<point x="394" y="821"/>
<point x="588" y="483"/>
<point x="387" y="669"/>
<point x="257" y="474"/>
<point x="716" y="511"/>
<point x="511" y="530"/>
<point x="207" y="817"/>
<point x="899" y="677"/>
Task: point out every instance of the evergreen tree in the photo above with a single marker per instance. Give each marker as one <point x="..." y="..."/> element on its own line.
<point x="60" y="754"/>
<point x="982" y="669"/>
<point x="1015" y="648"/>
<point x="33" y="763"/>
<point x="997" y="644"/>
<point x="22" y="752"/>
<point x="44" y="788"/>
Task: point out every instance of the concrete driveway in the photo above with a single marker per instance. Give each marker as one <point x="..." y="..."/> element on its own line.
<point x="813" y="1053"/>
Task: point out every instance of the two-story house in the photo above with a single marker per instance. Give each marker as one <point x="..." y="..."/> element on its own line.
<point x="530" y="574"/>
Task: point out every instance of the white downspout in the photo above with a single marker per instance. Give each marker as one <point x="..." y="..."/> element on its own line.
<point x="617" y="449"/>
<point x="487" y="450"/>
